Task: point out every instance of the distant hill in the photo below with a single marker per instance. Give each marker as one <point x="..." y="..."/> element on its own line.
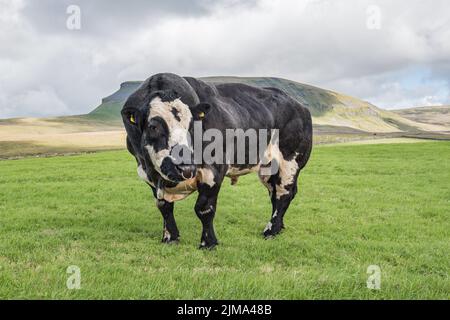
<point x="327" y="107"/>
<point x="336" y="118"/>
<point x="436" y="115"/>
<point x="111" y="105"/>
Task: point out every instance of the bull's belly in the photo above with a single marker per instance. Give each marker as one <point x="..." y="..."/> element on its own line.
<point x="236" y="171"/>
<point x="187" y="187"/>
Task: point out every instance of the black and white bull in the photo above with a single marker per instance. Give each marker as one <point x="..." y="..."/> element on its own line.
<point x="159" y="117"/>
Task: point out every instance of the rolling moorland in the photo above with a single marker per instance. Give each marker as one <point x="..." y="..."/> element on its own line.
<point x="336" y="117"/>
<point x="437" y="115"/>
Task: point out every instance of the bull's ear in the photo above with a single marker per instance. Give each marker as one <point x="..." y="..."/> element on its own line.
<point x="200" y="111"/>
<point x="131" y="116"/>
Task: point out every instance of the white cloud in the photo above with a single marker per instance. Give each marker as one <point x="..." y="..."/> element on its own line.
<point x="394" y="95"/>
<point x="40" y="102"/>
<point x="325" y="43"/>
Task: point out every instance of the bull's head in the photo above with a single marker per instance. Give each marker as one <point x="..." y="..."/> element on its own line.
<point x="159" y="126"/>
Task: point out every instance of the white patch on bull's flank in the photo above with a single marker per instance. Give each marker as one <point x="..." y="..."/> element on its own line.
<point x="206" y="176"/>
<point x="178" y="129"/>
<point x="265" y="181"/>
<point x="275" y="214"/>
<point x="287" y="169"/>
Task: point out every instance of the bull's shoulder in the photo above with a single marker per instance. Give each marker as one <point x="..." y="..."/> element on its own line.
<point x="261" y="94"/>
<point x="202" y="89"/>
<point x="229" y="89"/>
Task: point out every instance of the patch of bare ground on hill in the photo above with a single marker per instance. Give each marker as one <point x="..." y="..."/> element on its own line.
<point x="42" y="137"/>
<point x="326" y="134"/>
<point x="24" y="137"/>
<point x="19" y="140"/>
<point x="337" y="118"/>
<point x="436" y="115"/>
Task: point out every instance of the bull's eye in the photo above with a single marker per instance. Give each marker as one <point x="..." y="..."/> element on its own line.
<point x="152" y="128"/>
<point x="132" y="119"/>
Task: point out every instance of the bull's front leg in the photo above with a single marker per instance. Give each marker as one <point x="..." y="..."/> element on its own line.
<point x="205" y="208"/>
<point x="170" y="229"/>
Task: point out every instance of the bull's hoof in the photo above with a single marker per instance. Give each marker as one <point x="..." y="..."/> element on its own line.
<point x="272" y="230"/>
<point x="170" y="238"/>
<point x="268" y="236"/>
<point x="207" y="246"/>
<point x="170" y="241"/>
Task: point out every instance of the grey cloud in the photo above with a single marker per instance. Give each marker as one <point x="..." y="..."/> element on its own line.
<point x="324" y="43"/>
<point x="42" y="101"/>
<point x="105" y="16"/>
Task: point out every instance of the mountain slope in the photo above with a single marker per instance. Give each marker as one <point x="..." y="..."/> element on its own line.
<point x="327" y="107"/>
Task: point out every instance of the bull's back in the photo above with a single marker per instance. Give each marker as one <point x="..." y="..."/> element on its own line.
<point x="263" y="107"/>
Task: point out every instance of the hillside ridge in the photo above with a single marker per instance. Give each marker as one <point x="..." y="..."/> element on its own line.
<point x="327" y="107"/>
<point x="437" y="115"/>
<point x="336" y="118"/>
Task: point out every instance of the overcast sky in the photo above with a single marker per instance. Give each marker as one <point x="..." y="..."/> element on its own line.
<point x="391" y="53"/>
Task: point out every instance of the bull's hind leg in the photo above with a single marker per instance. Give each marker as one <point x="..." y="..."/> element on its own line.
<point x="282" y="188"/>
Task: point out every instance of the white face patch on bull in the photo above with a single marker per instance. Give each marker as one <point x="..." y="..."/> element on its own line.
<point x="177" y="116"/>
<point x="143" y="175"/>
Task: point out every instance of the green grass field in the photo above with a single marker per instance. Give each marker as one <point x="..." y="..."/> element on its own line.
<point x="385" y="205"/>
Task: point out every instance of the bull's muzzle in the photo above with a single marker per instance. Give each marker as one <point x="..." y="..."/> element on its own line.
<point x="177" y="172"/>
<point x="187" y="171"/>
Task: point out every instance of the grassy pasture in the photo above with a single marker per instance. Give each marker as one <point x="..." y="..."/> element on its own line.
<point x="358" y="205"/>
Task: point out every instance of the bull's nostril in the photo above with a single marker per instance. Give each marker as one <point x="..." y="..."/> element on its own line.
<point x="187" y="172"/>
